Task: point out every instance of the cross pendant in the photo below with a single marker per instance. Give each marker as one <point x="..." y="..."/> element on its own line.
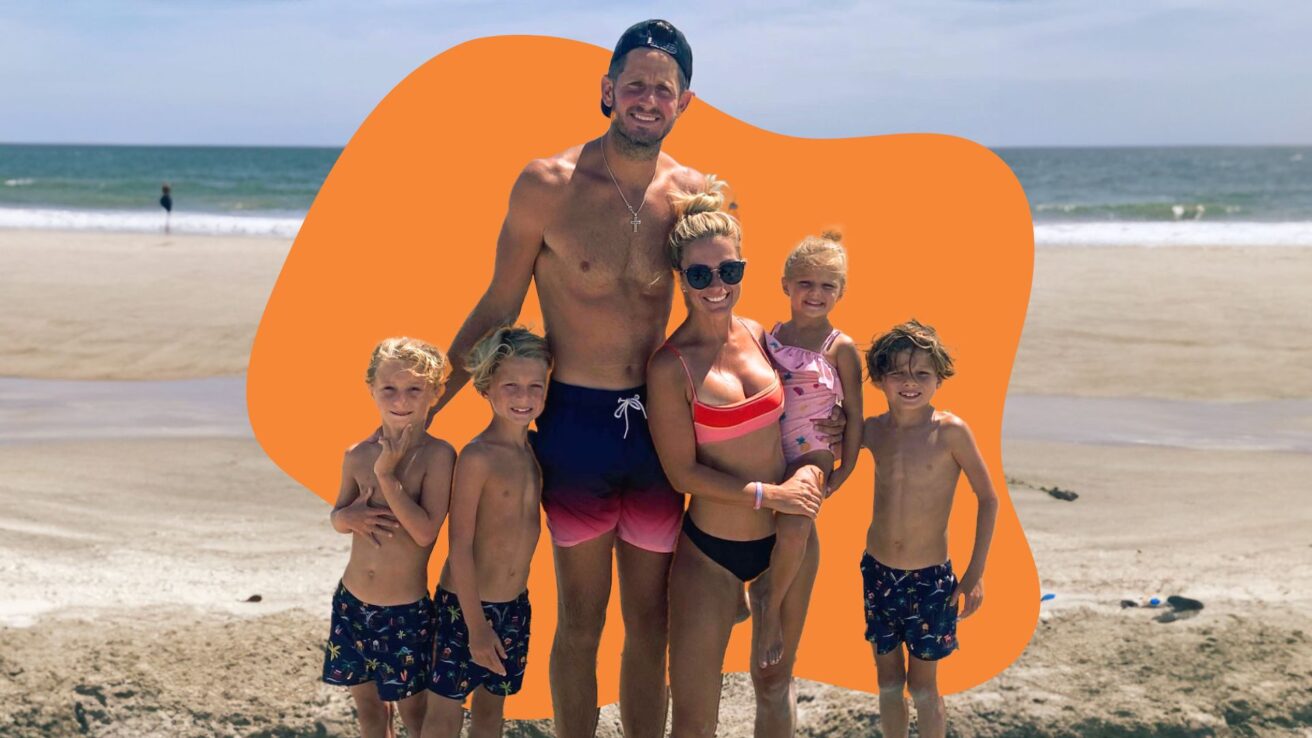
<point x="636" y="222"/>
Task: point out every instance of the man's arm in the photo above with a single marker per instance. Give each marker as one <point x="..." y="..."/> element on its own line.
<point x="518" y="245"/>
<point x="962" y="445"/>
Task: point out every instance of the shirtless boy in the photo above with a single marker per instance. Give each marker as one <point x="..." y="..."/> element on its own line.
<point x="393" y="499"/>
<point x="911" y="594"/>
<point x="495" y="522"/>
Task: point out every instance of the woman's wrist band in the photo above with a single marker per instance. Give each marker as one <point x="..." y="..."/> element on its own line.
<point x="760" y="495"/>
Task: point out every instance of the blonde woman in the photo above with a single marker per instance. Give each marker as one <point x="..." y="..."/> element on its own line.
<point x="714" y="407"/>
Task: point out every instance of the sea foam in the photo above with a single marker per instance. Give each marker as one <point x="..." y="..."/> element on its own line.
<point x="149" y="222"/>
<point x="1182" y="233"/>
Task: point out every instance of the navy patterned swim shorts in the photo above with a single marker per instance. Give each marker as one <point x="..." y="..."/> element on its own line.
<point x="455" y="674"/>
<point x="389" y="645"/>
<point x="911" y="607"/>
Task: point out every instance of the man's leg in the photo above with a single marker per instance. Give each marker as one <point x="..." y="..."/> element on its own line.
<point x="644" y="578"/>
<point x="582" y="591"/>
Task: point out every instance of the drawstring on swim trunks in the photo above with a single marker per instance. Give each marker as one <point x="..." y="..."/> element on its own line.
<point x="623" y="410"/>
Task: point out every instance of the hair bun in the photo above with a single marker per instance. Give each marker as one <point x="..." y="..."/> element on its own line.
<point x="832" y="234"/>
<point x="709" y="200"/>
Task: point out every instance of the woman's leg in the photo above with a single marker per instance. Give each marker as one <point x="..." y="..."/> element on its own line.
<point x="776" y="710"/>
<point x="704" y="598"/>
<point x="791" y="534"/>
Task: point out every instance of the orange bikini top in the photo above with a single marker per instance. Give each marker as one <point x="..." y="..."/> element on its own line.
<point x="715" y="423"/>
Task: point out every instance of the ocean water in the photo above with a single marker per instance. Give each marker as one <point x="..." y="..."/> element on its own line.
<point x="227" y="190"/>
<point x="1164" y="196"/>
<point x="1159" y="196"/>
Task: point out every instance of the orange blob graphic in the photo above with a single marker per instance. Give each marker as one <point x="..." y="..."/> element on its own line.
<point x="400" y="241"/>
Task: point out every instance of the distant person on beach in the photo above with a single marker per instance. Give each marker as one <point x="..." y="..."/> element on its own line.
<point x="395" y="489"/>
<point x="911" y="593"/>
<point x="166" y="202"/>
<point x="495" y="523"/>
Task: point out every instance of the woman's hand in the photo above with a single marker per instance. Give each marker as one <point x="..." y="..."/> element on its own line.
<point x="799" y="495"/>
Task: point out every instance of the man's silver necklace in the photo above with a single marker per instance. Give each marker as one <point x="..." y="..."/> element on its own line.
<point x="636" y="220"/>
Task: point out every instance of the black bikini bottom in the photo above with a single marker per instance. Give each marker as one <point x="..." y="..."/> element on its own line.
<point x="744" y="559"/>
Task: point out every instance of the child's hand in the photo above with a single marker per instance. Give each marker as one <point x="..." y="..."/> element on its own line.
<point x="368" y="521"/>
<point x="836" y="479"/>
<point x="393" y="450"/>
<point x="485" y="648"/>
<point x="831" y="429"/>
<point x="973" y="589"/>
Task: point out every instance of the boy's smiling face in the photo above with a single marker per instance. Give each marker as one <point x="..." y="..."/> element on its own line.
<point x="911" y="382"/>
<point x="402" y="396"/>
<point x="518" y="389"/>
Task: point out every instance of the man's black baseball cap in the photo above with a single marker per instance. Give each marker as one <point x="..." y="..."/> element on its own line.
<point x="656" y="34"/>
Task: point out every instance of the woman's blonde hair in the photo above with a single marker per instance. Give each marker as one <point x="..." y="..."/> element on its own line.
<point x="699" y="215"/>
<point x="824" y="252"/>
<point x="500" y="344"/>
<point x="424" y="359"/>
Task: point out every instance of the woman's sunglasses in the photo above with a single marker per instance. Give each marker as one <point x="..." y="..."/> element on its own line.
<point x="699" y="275"/>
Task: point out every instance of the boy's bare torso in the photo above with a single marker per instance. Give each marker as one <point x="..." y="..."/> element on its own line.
<point x="394" y="572"/>
<point x="605" y="290"/>
<point x="915" y="478"/>
<point x="508" y="519"/>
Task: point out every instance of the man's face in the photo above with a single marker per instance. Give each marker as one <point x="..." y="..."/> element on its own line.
<point x="645" y="100"/>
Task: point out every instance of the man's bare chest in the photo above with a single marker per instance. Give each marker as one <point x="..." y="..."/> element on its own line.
<point x="591" y="245"/>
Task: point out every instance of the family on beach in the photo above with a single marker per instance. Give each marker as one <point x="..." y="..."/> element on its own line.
<point x="755" y="428"/>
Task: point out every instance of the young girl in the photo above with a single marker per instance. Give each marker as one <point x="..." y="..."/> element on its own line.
<point x="482" y="601"/>
<point x="821" y="368"/>
<point x="393" y="500"/>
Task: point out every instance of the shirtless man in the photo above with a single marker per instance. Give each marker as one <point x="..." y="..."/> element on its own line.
<point x="590" y="225"/>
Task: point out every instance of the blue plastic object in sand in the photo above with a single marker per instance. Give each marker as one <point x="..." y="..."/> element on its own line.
<point x="1047" y="597"/>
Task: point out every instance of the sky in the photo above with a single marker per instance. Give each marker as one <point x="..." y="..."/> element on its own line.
<point x="1000" y="72"/>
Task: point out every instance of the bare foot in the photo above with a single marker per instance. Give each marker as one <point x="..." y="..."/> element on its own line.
<point x="771" y="646"/>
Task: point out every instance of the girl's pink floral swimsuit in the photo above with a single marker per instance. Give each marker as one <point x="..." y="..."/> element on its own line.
<point x="811" y="390"/>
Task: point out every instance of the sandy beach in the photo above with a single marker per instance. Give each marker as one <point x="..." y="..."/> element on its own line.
<point x="89" y="305"/>
<point x="129" y="560"/>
